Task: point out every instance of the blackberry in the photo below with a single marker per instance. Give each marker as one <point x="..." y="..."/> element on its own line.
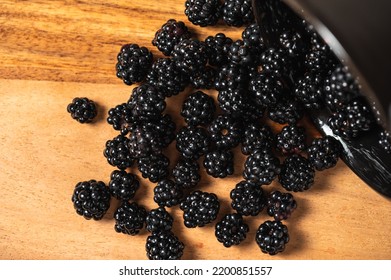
<point x="123" y="185"/>
<point x="145" y="140"/>
<point x="237" y="12"/>
<point x="252" y="37"/>
<point x="219" y="163"/>
<point x="231" y="230"/>
<point x="186" y="173"/>
<point x="146" y="102"/>
<point x="385" y="141"/>
<point x="154" y="167"/>
<point x="291" y="139"/>
<point x="198" y="109"/>
<point x="91" y="199"/>
<point x="225" y="132"/>
<point x="293" y="43"/>
<point x="340" y="88"/>
<point x="261" y="167"/>
<point x="166" y="77"/>
<point x="121" y="118"/>
<point x="218" y="47"/>
<point x="256" y="136"/>
<point x="241" y="54"/>
<point x="308" y="90"/>
<point x="117" y="152"/>
<point x="248" y="199"/>
<point x="129" y="218"/>
<point x="203" y="12"/>
<point x="133" y="63"/>
<point x="320" y="60"/>
<point x="169" y="35"/>
<point x="280" y="205"/>
<point x="164" y="127"/>
<point x="158" y="220"/>
<point x="203" y="79"/>
<point x="231" y="76"/>
<point x="267" y="89"/>
<point x="167" y="193"/>
<point x="276" y="62"/>
<point x="287" y="111"/>
<point x="192" y="142"/>
<point x="164" y="245"/>
<point x="297" y="173"/>
<point x="82" y="109"/>
<point x="190" y="55"/>
<point x="323" y="153"/>
<point x="271" y="237"/>
<point x="199" y="208"/>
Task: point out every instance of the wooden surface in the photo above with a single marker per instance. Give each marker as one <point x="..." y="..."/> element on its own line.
<point x="52" y="51"/>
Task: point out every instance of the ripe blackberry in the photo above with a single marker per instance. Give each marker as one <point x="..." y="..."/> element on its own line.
<point x="267" y="89"/>
<point x="164" y="127"/>
<point x="261" y="167"/>
<point x="91" y="199"/>
<point x="167" y="77"/>
<point x="225" y="132"/>
<point x="164" y="245"/>
<point x="320" y="60"/>
<point x="237" y="12"/>
<point x="271" y="237"/>
<point x="293" y="43"/>
<point x="192" y="142"/>
<point x="121" y="118"/>
<point x="133" y="63"/>
<point x="129" y="218"/>
<point x="241" y="54"/>
<point x="287" y="111"/>
<point x="190" y="55"/>
<point x="145" y="140"/>
<point x="167" y="193"/>
<point x="385" y="141"/>
<point x="203" y="12"/>
<point x="203" y="79"/>
<point x="146" y="102"/>
<point x="308" y="90"/>
<point x="297" y="173"/>
<point x="340" y="88"/>
<point x="199" y="208"/>
<point x="280" y="205"/>
<point x="218" y="47"/>
<point x="231" y="230"/>
<point x="169" y="35"/>
<point x="158" y="220"/>
<point x="154" y="167"/>
<point x="82" y="109"/>
<point x="252" y="37"/>
<point x="117" y="152"/>
<point x="198" y="109"/>
<point x="123" y="185"/>
<point x="323" y="153"/>
<point x="186" y="173"/>
<point x="276" y="62"/>
<point x="231" y="76"/>
<point x="248" y="198"/>
<point x="291" y="139"/>
<point x="219" y="163"/>
<point x="256" y="136"/>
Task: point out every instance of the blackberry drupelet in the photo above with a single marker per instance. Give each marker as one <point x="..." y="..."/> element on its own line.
<point x="271" y="237"/>
<point x="297" y="173"/>
<point x="91" y="199"/>
<point x="192" y="142"/>
<point x="219" y="163"/>
<point x="167" y="193"/>
<point x="291" y="139"/>
<point x="121" y="118"/>
<point x="218" y="47"/>
<point x="280" y="205"/>
<point x="385" y="141"/>
<point x="241" y="54"/>
<point x="231" y="230"/>
<point x="276" y="62"/>
<point x="203" y="12"/>
<point x="82" y="109"/>
<point x="256" y="136"/>
<point x="186" y="173"/>
<point x="287" y="111"/>
<point x="252" y="37"/>
<point x="167" y="77"/>
<point x="145" y="140"/>
<point x="309" y="90"/>
<point x="164" y="245"/>
<point x="323" y="153"/>
<point x="237" y="12"/>
<point x="129" y="218"/>
<point x="123" y="185"/>
<point x="203" y="79"/>
<point x="158" y="220"/>
<point x="247" y="198"/>
<point x="117" y="152"/>
<point x="169" y="35"/>
<point x="266" y="89"/>
<point x="154" y="167"/>
<point x="133" y="63"/>
<point x="198" y="109"/>
<point x="225" y="132"/>
<point x="199" y="208"/>
<point x="190" y="55"/>
<point x="261" y="167"/>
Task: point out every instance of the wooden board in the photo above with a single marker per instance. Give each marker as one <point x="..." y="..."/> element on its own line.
<point x="52" y="51"/>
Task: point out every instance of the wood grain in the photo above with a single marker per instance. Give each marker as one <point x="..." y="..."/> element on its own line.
<point x="52" y="51"/>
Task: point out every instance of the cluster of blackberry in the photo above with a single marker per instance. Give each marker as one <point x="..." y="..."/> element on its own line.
<point x="256" y="79"/>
